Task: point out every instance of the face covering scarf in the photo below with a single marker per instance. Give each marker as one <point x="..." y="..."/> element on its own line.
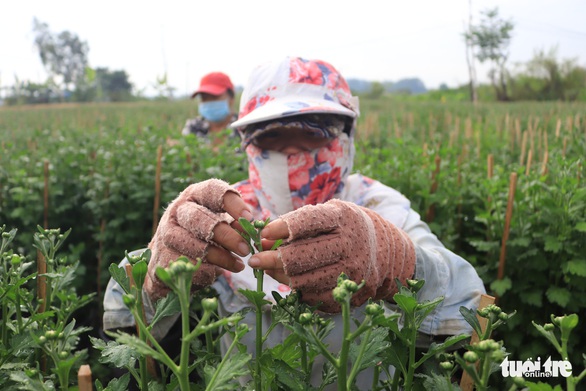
<point x="214" y="111"/>
<point x="283" y="183"/>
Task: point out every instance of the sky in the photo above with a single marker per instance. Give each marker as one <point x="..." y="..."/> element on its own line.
<point x="382" y="40"/>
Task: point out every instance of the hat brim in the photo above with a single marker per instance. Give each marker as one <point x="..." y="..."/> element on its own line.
<point x="281" y="108"/>
<point x="209" y="89"/>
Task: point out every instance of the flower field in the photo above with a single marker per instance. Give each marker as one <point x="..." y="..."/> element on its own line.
<point x="501" y="185"/>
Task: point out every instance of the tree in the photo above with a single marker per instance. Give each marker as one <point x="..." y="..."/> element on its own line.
<point x="491" y="39"/>
<point x="546" y="78"/>
<point x="64" y="55"/>
<point x="114" y="85"/>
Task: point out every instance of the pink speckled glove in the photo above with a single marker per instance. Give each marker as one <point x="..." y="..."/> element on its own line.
<point x="196" y="225"/>
<point x="338" y="236"/>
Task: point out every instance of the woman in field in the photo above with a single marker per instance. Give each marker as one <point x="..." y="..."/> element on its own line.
<point x="297" y="121"/>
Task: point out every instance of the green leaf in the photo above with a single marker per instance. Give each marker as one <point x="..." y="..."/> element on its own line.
<point x="406" y="303"/>
<point x="257" y="298"/>
<point x="120" y="384"/>
<point x="166" y="306"/>
<point x="581" y="226"/>
<point x="558" y="295"/>
<point x="470" y="317"/>
<point x="437" y="382"/>
<point x="553" y="244"/>
<point x="501" y="286"/>
<point x="533" y="297"/>
<point x="291" y="378"/>
<point x="233" y="368"/>
<point x="119" y="275"/>
<point x="139" y="271"/>
<point x="569" y="322"/>
<point x="576" y="267"/>
<point x="248" y="227"/>
<point x="121" y="356"/>
<point x="375" y="348"/>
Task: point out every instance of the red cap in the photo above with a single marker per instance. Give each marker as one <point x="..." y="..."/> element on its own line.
<point x="215" y="83"/>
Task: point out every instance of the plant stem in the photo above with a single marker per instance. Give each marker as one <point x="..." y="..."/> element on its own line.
<point x="183" y="373"/>
<point x="212" y="382"/>
<point x="356" y="363"/>
<point x="259" y="338"/>
<point x="343" y="359"/>
<point x="411" y="366"/>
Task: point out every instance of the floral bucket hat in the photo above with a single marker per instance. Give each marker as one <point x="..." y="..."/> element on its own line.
<point x="291" y="87"/>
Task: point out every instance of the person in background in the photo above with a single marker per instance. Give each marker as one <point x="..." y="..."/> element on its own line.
<point x="297" y="121"/>
<point x="216" y="107"/>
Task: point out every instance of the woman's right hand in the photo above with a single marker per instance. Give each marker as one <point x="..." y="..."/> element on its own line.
<point x="200" y="223"/>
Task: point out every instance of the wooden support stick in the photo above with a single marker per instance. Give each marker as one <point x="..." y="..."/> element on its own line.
<point x="157" y="203"/>
<point x="509" y="215"/>
<point x="84" y="378"/>
<point x="523" y="148"/>
<point x="529" y="157"/>
<point x="544" y="163"/>
<point x="429" y="217"/>
<point x="558" y="127"/>
<point x="466" y="383"/>
<point x="46" y="196"/>
<point x="490" y="166"/>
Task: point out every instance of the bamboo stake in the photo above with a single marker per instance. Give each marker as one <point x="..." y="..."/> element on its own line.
<point x="46" y="196"/>
<point x="466" y="382"/>
<point x="529" y="157"/>
<point x="84" y="378"/>
<point x="558" y="127"/>
<point x="544" y="163"/>
<point x="509" y="215"/>
<point x="468" y="131"/>
<point x="434" y="185"/>
<point x="490" y="165"/>
<point x="523" y="148"/>
<point x="157" y="203"/>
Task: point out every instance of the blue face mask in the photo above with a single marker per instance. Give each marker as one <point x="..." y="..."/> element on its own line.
<point x="214" y="111"/>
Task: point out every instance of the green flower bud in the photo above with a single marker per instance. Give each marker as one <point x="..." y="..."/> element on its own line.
<point x="548" y="327"/>
<point x="446" y="365"/>
<point x="519" y="381"/>
<point x="292" y="298"/>
<point x="16" y="260"/>
<point x="495" y="309"/>
<point x="373" y="309"/>
<point x="258" y="224"/>
<point x="5" y="235"/>
<point x="350" y="286"/>
<point x="340" y="294"/>
<point x="483" y="312"/>
<point x="63" y="355"/>
<point x="470" y="356"/>
<point x="503" y="316"/>
<point x="51" y="334"/>
<point x="497" y="355"/>
<point x="305" y="318"/>
<point x="557" y="320"/>
<point x="61" y="335"/>
<point x="129" y="299"/>
<point x="42" y="339"/>
<point x="482" y="346"/>
<point x="32" y="372"/>
<point x="210" y="304"/>
<point x="412" y="283"/>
